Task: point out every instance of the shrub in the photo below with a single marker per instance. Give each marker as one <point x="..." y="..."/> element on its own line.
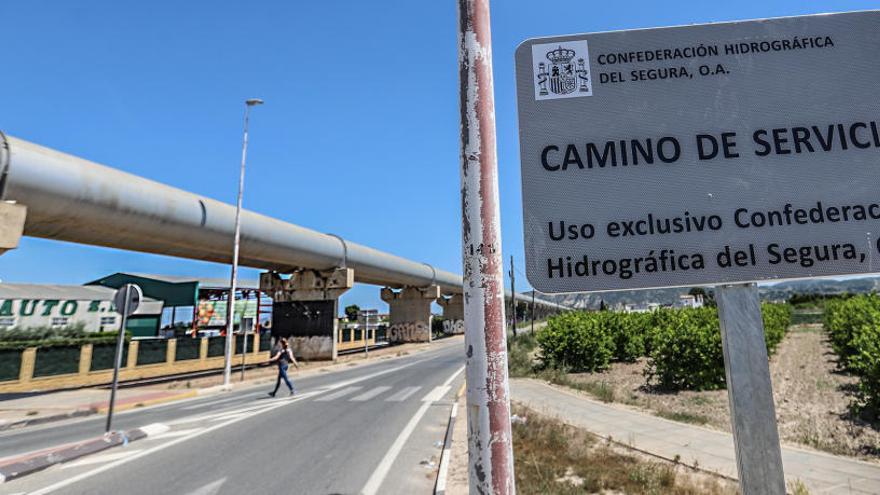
<point x="628" y="330"/>
<point x="21" y="338"/>
<point x="853" y="326"/>
<point x="686" y="350"/>
<point x="685" y="346"/>
<point x="777" y="318"/>
<point x="576" y="341"/>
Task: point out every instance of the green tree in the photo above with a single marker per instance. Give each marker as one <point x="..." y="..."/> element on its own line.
<point x="351" y="312"/>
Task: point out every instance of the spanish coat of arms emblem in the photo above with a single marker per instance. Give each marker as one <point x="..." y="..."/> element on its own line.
<point x="562" y="70"/>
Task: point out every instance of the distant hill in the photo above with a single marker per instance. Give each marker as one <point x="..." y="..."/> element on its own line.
<point x="777" y="291"/>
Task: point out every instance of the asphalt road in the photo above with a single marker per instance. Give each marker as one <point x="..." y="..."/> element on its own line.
<point x="372" y="428"/>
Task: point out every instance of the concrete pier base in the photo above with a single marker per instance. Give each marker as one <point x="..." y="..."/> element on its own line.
<point x="12" y="217"/>
<point x="304" y="309"/>
<point x="453" y="314"/>
<point x="410" y="316"/>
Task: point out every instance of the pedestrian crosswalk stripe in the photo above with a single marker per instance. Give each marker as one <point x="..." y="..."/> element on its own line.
<point x="403" y="394"/>
<point x="370" y="394"/>
<point x="436" y="394"/>
<point x="338" y="394"/>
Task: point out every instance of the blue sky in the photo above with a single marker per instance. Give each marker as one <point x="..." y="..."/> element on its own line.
<point x="359" y="134"/>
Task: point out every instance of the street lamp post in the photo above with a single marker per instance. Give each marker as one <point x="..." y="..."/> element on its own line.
<point x="230" y="304"/>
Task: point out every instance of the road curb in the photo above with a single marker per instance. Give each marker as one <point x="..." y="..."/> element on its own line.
<point x="32" y="463"/>
<point x="443" y="470"/>
<point x="47" y="419"/>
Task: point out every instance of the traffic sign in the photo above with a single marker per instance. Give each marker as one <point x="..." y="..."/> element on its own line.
<point x="134" y="299"/>
<point x="696" y="155"/>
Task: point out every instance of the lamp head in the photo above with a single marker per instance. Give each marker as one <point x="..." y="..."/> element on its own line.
<point x="253" y="101"/>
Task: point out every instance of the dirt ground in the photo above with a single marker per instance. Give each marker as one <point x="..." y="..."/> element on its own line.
<point x="811" y="397"/>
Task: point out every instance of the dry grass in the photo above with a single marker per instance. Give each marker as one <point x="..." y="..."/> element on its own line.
<point x="554" y="458"/>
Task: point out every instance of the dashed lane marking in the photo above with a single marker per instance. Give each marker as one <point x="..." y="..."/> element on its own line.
<point x="403" y="394"/>
<point x="338" y="394"/>
<point x="370" y="394"/>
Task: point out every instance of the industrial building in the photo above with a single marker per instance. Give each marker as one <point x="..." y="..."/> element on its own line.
<point x="172" y="305"/>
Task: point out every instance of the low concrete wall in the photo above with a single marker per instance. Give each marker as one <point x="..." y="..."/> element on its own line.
<point x="27" y="382"/>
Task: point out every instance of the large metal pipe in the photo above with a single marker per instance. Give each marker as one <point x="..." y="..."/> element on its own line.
<point x="76" y="200"/>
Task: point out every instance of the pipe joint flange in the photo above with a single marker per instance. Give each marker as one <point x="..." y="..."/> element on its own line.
<point x="344" y="261"/>
<point x="5" y="158"/>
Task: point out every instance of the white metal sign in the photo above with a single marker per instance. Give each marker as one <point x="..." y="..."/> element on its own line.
<point x="704" y="154"/>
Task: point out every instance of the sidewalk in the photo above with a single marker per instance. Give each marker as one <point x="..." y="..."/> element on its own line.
<point x="21" y="410"/>
<point x="708" y="449"/>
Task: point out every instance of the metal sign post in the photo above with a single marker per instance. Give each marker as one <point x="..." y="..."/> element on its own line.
<point x="127" y="300"/>
<point x="490" y="452"/>
<point x="753" y="414"/>
<point x="366" y="334"/>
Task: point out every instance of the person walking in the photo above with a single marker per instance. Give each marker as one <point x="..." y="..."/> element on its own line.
<point x="283" y="356"/>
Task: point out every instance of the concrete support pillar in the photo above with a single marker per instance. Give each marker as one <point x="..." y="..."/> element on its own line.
<point x="132" y="354"/>
<point x="12" y="218"/>
<point x="28" y="360"/>
<point x="85" y="359"/>
<point x="453" y="314"/>
<point x="410" y="313"/>
<point x="304" y="309"/>
<point x="171" y="352"/>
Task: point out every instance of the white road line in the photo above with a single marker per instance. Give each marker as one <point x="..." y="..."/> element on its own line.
<point x="174" y="434"/>
<point x="99" y="459"/>
<point x="403" y="394"/>
<point x="216" y="402"/>
<point x="370" y="394"/>
<point x="88" y="474"/>
<point x="339" y="394"/>
<point x="436" y="394"/>
<point x="154" y="429"/>
<point x="210" y="488"/>
<point x="378" y="476"/>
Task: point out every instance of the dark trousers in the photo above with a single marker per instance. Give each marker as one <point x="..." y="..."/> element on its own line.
<point x="282" y="375"/>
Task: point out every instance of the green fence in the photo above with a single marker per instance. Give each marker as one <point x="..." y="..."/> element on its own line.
<point x="152" y="351"/>
<point x="216" y="346"/>
<point x="103" y="356"/>
<point x="57" y="361"/>
<point x="10" y="365"/>
<point x="187" y="348"/>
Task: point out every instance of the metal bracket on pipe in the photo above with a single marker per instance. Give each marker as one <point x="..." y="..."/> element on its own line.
<point x="344" y="250"/>
<point x="4" y="162"/>
<point x="433" y="275"/>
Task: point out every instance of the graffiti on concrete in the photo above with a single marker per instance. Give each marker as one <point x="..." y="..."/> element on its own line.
<point x="453" y="327"/>
<point x="416" y="331"/>
<point x="312" y="347"/>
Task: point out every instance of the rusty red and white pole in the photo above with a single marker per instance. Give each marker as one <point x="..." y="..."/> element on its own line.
<point x="490" y="452"/>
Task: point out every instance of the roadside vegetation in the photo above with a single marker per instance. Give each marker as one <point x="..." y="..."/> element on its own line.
<point x="554" y="458"/>
<point x="683" y="346"/>
<point x="670" y="363"/>
<point x="74" y="335"/>
<point x="853" y="325"/>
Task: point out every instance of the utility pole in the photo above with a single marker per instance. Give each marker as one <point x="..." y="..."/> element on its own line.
<point x="490" y="452"/>
<point x="512" y="297"/>
<point x="230" y="304"/>
<point x="532" y="311"/>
